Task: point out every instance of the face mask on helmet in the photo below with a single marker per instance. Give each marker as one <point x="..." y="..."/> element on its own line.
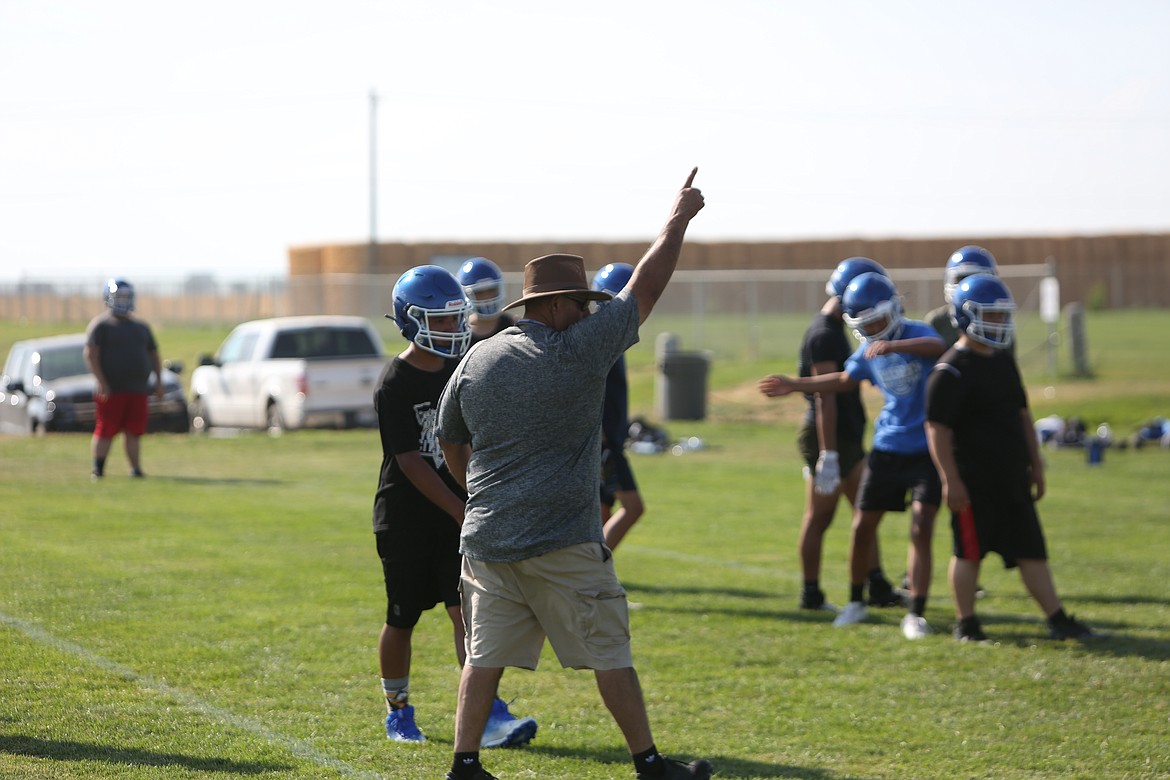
<point x="431" y="310"/>
<point x="119" y="296"/>
<point x="873" y="309"/>
<point x="966" y="262"/>
<point x="983" y="309"/>
<point x="483" y="283"/>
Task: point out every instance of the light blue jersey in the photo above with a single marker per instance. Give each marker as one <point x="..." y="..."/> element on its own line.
<point x="900" y="427"/>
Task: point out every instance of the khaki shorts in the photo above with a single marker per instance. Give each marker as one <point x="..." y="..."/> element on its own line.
<point x="572" y="596"/>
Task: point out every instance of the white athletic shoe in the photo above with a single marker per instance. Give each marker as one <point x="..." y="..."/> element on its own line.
<point x="854" y="612"/>
<point x="914" y="627"/>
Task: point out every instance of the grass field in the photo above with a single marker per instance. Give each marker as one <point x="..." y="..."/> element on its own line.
<point x="219" y="618"/>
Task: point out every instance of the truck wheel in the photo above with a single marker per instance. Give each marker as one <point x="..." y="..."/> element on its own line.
<point x="200" y="422"/>
<point x="275" y="419"/>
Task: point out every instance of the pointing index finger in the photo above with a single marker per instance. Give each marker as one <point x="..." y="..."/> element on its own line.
<point x="691" y="178"/>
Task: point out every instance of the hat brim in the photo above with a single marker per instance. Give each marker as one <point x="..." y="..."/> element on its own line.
<point x="591" y="295"/>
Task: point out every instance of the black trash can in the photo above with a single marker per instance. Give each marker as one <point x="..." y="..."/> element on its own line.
<point x="682" y="385"/>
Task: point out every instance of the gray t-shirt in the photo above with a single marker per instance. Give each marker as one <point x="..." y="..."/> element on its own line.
<point x="529" y="402"/>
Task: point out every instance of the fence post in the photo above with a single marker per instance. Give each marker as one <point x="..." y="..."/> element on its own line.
<point x="1074" y="315"/>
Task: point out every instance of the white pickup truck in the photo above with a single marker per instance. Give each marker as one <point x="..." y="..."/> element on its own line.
<point x="288" y="373"/>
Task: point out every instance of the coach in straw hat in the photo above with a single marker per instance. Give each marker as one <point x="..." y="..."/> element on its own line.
<point x="529" y="401"/>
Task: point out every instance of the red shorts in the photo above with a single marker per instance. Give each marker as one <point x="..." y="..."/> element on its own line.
<point x="121" y="412"/>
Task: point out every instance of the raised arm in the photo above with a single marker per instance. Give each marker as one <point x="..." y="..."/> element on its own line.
<point x="654" y="270"/>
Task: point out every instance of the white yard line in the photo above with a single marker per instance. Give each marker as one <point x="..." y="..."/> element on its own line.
<point x="298" y="747"/>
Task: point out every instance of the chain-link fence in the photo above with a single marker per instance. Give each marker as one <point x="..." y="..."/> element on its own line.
<point x="693" y="295"/>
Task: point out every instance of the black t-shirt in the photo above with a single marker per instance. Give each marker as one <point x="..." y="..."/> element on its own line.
<point x="826" y="341"/>
<point x="615" y="415"/>
<point x="125" y="345"/>
<point x="980" y="397"/>
<point x="407" y="402"/>
<point x="503" y="322"/>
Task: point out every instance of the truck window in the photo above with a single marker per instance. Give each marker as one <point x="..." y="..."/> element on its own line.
<point x="290" y="344"/>
<point x="311" y="343"/>
<point x="355" y="342"/>
<point x="238" y="346"/>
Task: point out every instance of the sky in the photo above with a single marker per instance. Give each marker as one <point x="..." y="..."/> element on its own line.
<point x="141" y="138"/>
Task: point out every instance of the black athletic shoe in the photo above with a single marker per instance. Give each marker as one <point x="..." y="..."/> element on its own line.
<point x="699" y="769"/>
<point x="883" y="594"/>
<point x="1070" y="629"/>
<point x="971" y="632"/>
<point x="482" y="774"/>
<point x="815" y="600"/>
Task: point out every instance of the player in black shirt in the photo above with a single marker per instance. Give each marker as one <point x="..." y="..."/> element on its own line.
<point x="418" y="507"/>
<point x="982" y="440"/>
<point x="831" y="440"/>
<point x="618" y="486"/>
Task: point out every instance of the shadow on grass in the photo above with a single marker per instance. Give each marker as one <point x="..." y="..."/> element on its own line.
<point x="1111" y="640"/>
<point x="1112" y="600"/>
<point x="674" y="590"/>
<point x="1018" y="630"/>
<point x="67" y="750"/>
<point x="726" y="767"/>
<point x="217" y="480"/>
<point x="638" y="591"/>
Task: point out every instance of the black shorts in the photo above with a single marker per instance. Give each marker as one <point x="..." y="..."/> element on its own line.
<point x="616" y="475"/>
<point x="849" y="453"/>
<point x="889" y="476"/>
<point x="420" y="566"/>
<point x="1000" y="521"/>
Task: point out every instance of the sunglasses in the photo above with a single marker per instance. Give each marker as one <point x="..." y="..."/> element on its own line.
<point x="582" y="303"/>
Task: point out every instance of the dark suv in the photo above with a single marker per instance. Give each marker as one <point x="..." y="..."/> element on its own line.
<point x="46" y="386"/>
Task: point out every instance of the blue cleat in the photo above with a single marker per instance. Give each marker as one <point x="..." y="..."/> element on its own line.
<point x="504" y="729"/>
<point x="400" y="726"/>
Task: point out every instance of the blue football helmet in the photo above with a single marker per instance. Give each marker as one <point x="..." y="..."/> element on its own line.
<point x="426" y="293"/>
<point x="964" y="262"/>
<point x="613" y="278"/>
<point x="976" y="297"/>
<point x="848" y="270"/>
<point x="119" y="296"/>
<point x="479" y="275"/>
<point x="869" y="300"/>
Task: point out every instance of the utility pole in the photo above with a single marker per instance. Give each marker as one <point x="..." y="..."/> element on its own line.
<point x="372" y="258"/>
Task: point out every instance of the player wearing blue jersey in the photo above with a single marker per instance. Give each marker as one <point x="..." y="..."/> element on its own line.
<point x="896" y="356"/>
